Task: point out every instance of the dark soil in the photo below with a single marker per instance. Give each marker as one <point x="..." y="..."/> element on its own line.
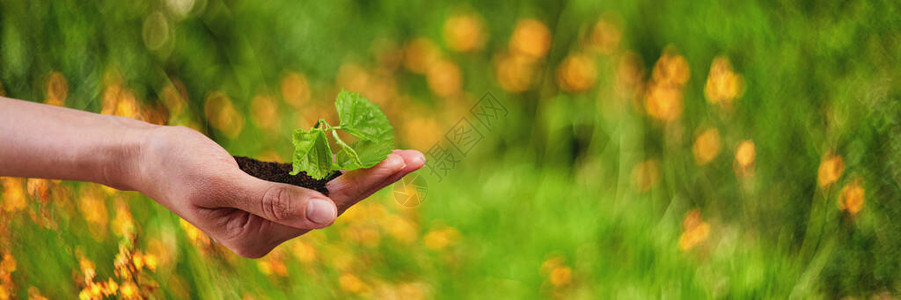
<point x="279" y="172"/>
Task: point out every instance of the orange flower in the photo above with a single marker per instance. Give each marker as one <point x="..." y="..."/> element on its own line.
<point x="440" y="239"/>
<point x="745" y="153"/>
<point x="39" y="188"/>
<point x="223" y="115"/>
<point x="663" y="99"/>
<point x="830" y="170"/>
<point x="852" y="196"/>
<point x="13" y="194"/>
<point x="444" y="78"/>
<point x="707" y="146"/>
<point x="723" y="85"/>
<point x="664" y="102"/>
<point x="419" y="54"/>
<point x="531" y="38"/>
<point x="295" y="89"/>
<point x="464" y="33"/>
<point x="265" y="112"/>
<point x="694" y="230"/>
<point x="561" y="276"/>
<point x="671" y="68"/>
<point x="353" y="284"/>
<point x="129" y="290"/>
<point x="93" y="208"/>
<point x="514" y="73"/>
<point x="577" y="73"/>
<point x="57" y="89"/>
<point x="303" y="251"/>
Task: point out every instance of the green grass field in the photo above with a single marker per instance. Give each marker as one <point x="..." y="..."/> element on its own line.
<point x="650" y="149"/>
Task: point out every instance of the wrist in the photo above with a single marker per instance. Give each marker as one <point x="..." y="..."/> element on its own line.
<point x="122" y="168"/>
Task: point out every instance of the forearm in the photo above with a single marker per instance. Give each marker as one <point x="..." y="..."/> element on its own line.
<point x="44" y="141"/>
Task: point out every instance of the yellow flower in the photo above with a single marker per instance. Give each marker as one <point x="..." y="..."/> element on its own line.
<point x="295" y="89"/>
<point x="39" y="188"/>
<point x="127" y="105"/>
<point x="645" y="175"/>
<point x="265" y="112"/>
<point x="57" y="89"/>
<point x="695" y="230"/>
<point x="439" y="239"/>
<point x="273" y="264"/>
<point x="303" y="251"/>
<point x="400" y="228"/>
<point x="560" y="276"/>
<point x="664" y="102"/>
<point x="93" y="208"/>
<point x="707" y="146"/>
<point x="830" y="170"/>
<point x="351" y="283"/>
<point x="514" y="73"/>
<point x="745" y="153"/>
<point x="111" y="287"/>
<point x="420" y="54"/>
<point x="87" y="269"/>
<point x="444" y="78"/>
<point x="852" y="196"/>
<point x="8" y="263"/>
<point x="123" y="224"/>
<point x="420" y="132"/>
<point x="531" y="38"/>
<point x="577" y="73"/>
<point x="464" y="33"/>
<point x="194" y="235"/>
<point x="223" y="115"/>
<point x="723" y="85"/>
<point x="671" y="68"/>
<point x="128" y="290"/>
<point x="13" y="194"/>
<point x="33" y="294"/>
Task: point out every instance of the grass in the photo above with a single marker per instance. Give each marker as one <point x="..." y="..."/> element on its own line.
<point x="577" y="193"/>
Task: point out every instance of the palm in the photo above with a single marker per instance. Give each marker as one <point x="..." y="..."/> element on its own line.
<point x="201" y="182"/>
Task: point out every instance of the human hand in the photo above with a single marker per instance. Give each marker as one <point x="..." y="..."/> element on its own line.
<point x="197" y="179"/>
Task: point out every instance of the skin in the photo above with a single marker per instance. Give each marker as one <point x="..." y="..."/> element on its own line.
<point x="183" y="170"/>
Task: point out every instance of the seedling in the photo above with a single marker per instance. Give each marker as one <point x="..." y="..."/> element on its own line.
<point x="358" y="117"/>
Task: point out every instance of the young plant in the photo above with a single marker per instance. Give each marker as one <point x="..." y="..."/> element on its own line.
<point x="358" y="117"/>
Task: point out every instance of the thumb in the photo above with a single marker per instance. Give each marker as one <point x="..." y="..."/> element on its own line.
<point x="283" y="203"/>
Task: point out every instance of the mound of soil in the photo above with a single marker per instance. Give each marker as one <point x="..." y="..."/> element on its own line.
<point x="279" y="172"/>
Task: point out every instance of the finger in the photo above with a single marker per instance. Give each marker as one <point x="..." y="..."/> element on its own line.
<point x="350" y="188"/>
<point x="280" y="203"/>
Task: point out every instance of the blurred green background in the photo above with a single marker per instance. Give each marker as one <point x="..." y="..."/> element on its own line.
<point x="647" y="149"/>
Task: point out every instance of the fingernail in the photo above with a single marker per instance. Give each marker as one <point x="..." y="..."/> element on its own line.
<point x="321" y="211"/>
<point x="397" y="162"/>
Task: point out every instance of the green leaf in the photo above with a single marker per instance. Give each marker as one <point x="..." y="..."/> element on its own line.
<point x="312" y="153"/>
<point x="361" y="154"/>
<point x="363" y="119"/>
